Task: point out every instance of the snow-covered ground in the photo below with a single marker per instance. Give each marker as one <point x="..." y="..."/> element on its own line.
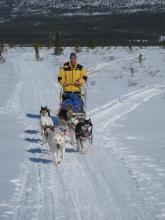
<point x="123" y="175"/>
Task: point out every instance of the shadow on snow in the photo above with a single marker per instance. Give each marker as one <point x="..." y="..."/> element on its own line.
<point x="33" y="140"/>
<point x="31" y="131"/>
<point x="37" y="150"/>
<point x="41" y="160"/>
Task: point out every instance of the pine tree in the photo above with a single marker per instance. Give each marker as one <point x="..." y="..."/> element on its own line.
<point x="140" y="58"/>
<point x="49" y="40"/>
<point x="37" y="53"/>
<point x="132" y="71"/>
<point x="77" y="48"/>
<point x="2" y="47"/>
<point x="130" y="47"/>
<point x="91" y="44"/>
<point x="58" y="49"/>
<point x="163" y="44"/>
<point x="2" y="50"/>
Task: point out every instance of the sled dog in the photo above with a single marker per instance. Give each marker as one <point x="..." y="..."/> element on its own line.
<point x="45" y="121"/>
<point x="56" y="142"/>
<point x="44" y="111"/>
<point x="83" y="134"/>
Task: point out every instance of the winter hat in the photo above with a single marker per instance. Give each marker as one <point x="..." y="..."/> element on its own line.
<point x="73" y="55"/>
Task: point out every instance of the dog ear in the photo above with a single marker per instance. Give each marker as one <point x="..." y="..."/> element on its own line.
<point x="90" y="121"/>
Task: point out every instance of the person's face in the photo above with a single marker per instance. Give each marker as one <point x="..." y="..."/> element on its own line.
<point x="73" y="61"/>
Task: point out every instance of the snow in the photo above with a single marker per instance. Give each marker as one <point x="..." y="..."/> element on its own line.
<point x="122" y="176"/>
<point x="144" y="149"/>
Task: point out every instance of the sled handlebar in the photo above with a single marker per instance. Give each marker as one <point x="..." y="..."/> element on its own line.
<point x="72" y="84"/>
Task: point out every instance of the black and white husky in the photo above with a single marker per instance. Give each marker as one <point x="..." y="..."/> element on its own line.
<point x="84" y="136"/>
<point x="45" y="121"/>
<point x="44" y="111"/>
<point x="56" y="142"/>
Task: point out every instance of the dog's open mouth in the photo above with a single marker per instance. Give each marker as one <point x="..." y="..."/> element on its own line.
<point x="58" y="146"/>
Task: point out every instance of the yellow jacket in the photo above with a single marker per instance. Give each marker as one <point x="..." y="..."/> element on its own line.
<point x="70" y="74"/>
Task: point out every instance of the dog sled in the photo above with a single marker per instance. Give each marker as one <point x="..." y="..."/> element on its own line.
<point x="78" y="114"/>
<point x="73" y="120"/>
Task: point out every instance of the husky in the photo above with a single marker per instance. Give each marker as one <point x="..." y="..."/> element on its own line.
<point x="62" y="114"/>
<point x="45" y="121"/>
<point x="73" y="121"/>
<point x="67" y="120"/>
<point x="44" y="111"/>
<point x="65" y="115"/>
<point x="83" y="134"/>
<point x="56" y="142"/>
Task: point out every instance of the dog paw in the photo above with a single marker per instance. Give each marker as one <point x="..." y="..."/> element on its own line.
<point x="56" y="163"/>
<point x="83" y="152"/>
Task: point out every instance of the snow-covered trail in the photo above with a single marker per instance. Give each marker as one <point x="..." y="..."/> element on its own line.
<point x="125" y="104"/>
<point x="92" y="186"/>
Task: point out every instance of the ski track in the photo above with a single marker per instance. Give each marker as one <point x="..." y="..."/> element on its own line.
<point x="93" y="186"/>
<point x="94" y="70"/>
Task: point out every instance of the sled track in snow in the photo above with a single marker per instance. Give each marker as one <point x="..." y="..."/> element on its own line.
<point x="124" y="104"/>
<point x="93" y="186"/>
